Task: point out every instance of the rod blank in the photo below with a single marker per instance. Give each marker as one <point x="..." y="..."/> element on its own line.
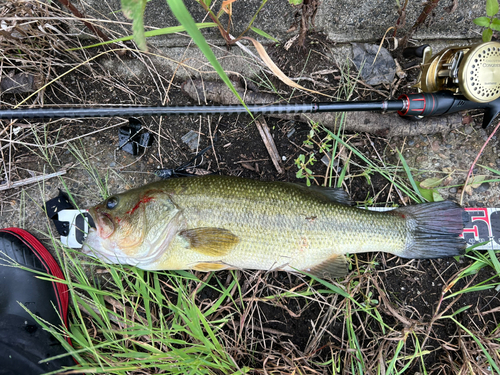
<point x="53" y="113"/>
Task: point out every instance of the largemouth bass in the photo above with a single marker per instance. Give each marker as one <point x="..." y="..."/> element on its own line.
<point x="214" y="222"/>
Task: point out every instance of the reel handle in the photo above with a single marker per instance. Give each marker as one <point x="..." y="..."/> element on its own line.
<point x="443" y="102"/>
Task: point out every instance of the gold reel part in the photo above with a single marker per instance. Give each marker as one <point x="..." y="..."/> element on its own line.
<point x="472" y="71"/>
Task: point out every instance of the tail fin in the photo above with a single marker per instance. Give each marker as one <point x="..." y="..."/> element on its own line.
<point x="435" y="229"/>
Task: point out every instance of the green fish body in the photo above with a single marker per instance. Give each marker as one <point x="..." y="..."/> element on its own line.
<point x="215" y="222"/>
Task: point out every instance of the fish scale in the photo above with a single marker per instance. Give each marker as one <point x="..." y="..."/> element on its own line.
<point x="216" y="222"/>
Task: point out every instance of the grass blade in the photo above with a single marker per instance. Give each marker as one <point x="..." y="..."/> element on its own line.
<point x="264" y="34"/>
<point x="184" y="17"/>
<point x="410" y="177"/>
<point x="151" y="33"/>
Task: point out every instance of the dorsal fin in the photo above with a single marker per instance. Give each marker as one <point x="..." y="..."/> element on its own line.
<point x="334" y="194"/>
<point x="337" y="195"/>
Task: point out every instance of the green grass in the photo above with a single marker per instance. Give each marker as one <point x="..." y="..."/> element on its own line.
<point x="125" y="319"/>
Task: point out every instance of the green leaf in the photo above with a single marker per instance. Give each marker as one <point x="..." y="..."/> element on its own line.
<point x="184" y="17"/>
<point x="430" y="183"/>
<point x="427" y="194"/>
<point x="264" y="34"/>
<point x="482" y="21"/>
<point x="134" y="10"/>
<point x="491" y="7"/>
<point x="487" y="34"/>
<point x="477" y="181"/>
<point x="495" y="24"/>
<point x="295" y="2"/>
<point x="436" y="197"/>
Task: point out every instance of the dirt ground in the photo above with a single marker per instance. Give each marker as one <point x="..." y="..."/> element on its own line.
<point x="409" y="292"/>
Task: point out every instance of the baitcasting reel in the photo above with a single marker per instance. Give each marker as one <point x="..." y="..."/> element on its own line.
<point x="471" y="71"/>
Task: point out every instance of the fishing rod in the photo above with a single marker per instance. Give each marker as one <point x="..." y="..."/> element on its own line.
<point x="410" y="105"/>
<point x="456" y="79"/>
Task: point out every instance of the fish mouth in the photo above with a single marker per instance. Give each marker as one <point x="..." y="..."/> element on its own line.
<point x="97" y="237"/>
<point x="103" y="222"/>
<point x="93" y="246"/>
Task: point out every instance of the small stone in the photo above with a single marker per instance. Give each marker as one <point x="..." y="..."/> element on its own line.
<point x="468" y="130"/>
<point x="485" y="186"/>
<point x="411" y="143"/>
<point x="452" y="190"/>
<point x="435" y="146"/>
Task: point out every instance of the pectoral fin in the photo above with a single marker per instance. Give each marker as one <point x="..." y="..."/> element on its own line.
<point x="335" y="266"/>
<point x="210" y="241"/>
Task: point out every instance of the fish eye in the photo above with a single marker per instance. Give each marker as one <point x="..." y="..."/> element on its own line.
<point x="111" y="203"/>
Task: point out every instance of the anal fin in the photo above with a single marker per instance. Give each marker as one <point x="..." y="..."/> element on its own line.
<point x="335" y="266"/>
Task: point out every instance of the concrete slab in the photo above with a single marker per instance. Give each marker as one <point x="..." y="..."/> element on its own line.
<point x="342" y="20"/>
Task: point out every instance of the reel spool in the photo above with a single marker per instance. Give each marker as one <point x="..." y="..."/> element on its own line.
<point x="472" y="71"/>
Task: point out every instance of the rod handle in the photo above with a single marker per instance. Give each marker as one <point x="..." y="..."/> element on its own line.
<point x="411" y="52"/>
